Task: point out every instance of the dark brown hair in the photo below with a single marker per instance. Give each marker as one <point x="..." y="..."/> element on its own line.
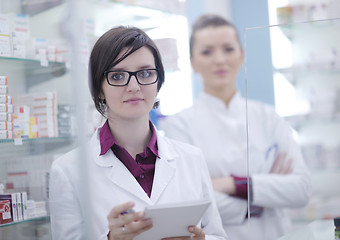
<point x="106" y="50"/>
<point x="209" y="20"/>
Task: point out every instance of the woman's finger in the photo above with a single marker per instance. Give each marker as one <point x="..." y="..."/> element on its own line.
<point x="288" y="166"/>
<point x="125" y="220"/>
<point x="279" y="164"/>
<point x="132" y="229"/>
<point x="120" y="209"/>
<point x="138" y="227"/>
<point x="197" y="232"/>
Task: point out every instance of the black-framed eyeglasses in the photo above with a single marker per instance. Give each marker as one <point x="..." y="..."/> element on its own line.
<point x="122" y="78"/>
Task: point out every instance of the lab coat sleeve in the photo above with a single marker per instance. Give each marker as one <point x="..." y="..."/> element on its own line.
<point x="66" y="217"/>
<point x="283" y="191"/>
<point x="211" y="221"/>
<point x="67" y="222"/>
<point x="232" y="210"/>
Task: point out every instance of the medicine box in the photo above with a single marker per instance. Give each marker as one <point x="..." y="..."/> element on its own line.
<point x="5" y="212"/>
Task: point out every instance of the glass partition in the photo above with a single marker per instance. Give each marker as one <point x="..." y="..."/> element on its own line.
<point x="293" y="141"/>
<point x="45" y="105"/>
<point x="36" y="113"/>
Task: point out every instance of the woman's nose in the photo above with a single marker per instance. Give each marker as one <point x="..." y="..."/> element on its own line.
<point x="220" y="57"/>
<point x="133" y="84"/>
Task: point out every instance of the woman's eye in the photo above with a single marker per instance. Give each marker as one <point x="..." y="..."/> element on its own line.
<point x="206" y="52"/>
<point x="117" y="76"/>
<point x="229" y="49"/>
<point x="144" y="74"/>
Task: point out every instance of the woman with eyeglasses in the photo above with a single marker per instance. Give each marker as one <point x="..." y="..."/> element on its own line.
<point x="264" y="150"/>
<point x="131" y="165"/>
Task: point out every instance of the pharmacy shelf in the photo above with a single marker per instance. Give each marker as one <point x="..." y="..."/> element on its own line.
<point x="28" y="60"/>
<point x="298" y="121"/>
<point x="39" y="140"/>
<point x="292" y="30"/>
<point x="318" y="69"/>
<point x="36" y="146"/>
<point x="36" y="71"/>
<point x="37" y="219"/>
<point x="31" y="64"/>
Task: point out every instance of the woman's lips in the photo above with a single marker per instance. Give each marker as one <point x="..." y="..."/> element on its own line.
<point x="221" y="72"/>
<point x="133" y="100"/>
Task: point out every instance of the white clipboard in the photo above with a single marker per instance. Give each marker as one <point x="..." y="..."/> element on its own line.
<point x="173" y="220"/>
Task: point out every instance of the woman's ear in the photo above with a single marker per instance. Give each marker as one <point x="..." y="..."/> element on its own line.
<point x="101" y="95"/>
<point x="156" y="103"/>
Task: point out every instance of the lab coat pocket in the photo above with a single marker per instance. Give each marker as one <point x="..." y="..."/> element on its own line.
<point x="261" y="159"/>
<point x="269" y="158"/>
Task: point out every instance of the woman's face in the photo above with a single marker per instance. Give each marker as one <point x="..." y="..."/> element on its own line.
<point x="217" y="56"/>
<point x="133" y="100"/>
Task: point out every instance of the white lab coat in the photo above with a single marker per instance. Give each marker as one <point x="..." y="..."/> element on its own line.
<point x="220" y="131"/>
<point x="180" y="175"/>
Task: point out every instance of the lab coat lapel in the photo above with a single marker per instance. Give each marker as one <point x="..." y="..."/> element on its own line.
<point x="164" y="171"/>
<point x="122" y="177"/>
<point x="165" y="168"/>
<point x="119" y="174"/>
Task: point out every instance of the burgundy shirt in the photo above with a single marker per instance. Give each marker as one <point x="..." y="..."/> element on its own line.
<point x="143" y="168"/>
<point x="242" y="192"/>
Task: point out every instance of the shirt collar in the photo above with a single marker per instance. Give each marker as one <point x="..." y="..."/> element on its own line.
<point x="216" y="103"/>
<point x="107" y="140"/>
<point x="153" y="141"/>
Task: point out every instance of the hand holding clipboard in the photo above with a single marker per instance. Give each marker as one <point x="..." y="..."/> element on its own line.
<point x="173" y="220"/>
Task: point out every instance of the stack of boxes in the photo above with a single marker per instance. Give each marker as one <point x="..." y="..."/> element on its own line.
<point x="36" y="209"/>
<point x="13" y="207"/>
<point x="5" y="39"/>
<point x="6" y="110"/>
<point x="15" y="41"/>
<point x="20" y="33"/>
<point x="41" y="111"/>
<point x="21" y="121"/>
<point x="66" y="120"/>
<point x="14" y="33"/>
<point x="298" y="13"/>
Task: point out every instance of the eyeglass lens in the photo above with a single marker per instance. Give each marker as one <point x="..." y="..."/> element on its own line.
<point x="121" y="78"/>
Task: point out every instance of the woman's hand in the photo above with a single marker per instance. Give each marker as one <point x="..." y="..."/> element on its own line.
<point x="224" y="185"/>
<point x="123" y="225"/>
<point x="281" y="165"/>
<point x="196" y="233"/>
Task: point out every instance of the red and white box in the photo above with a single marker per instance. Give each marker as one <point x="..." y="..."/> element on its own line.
<point x="5" y="212"/>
